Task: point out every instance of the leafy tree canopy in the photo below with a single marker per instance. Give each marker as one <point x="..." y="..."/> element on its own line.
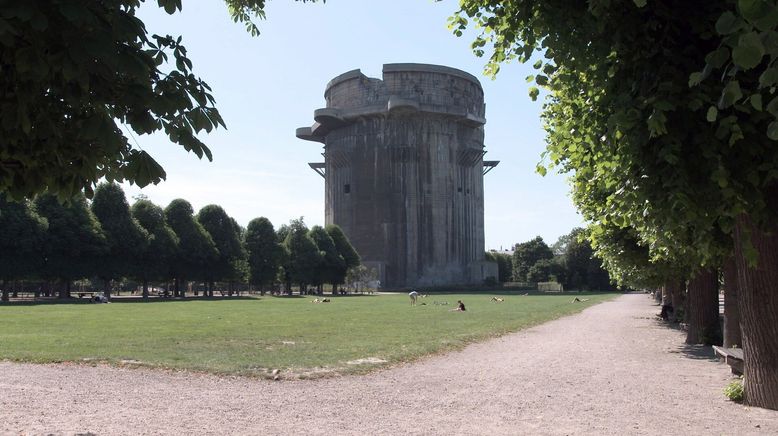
<point x="74" y="73"/>
<point x="661" y="111"/>
<point x="264" y="252"/>
<point x="225" y="234"/>
<point x="126" y="239"/>
<point x="156" y="260"/>
<point x="526" y="254"/>
<point x="22" y="237"/>
<point x="197" y="251"/>
<point x="74" y="241"/>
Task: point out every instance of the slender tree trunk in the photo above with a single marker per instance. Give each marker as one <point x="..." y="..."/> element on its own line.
<point x="704" y="327"/>
<point x="145" y="289"/>
<point x="675" y="288"/>
<point x="107" y="291"/>
<point x="176" y="288"/>
<point x="5" y="291"/>
<point x="732" y="337"/>
<point x="15" y="290"/>
<point x="64" y="292"/>
<point x="758" y="302"/>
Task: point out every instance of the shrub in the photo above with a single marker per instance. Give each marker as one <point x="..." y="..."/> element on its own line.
<point x="734" y="390"/>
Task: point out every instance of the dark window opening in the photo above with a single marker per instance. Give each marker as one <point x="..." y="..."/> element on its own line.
<point x="459" y="189"/>
<point x="346" y="188"/>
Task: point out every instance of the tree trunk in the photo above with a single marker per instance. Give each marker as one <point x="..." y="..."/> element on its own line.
<point x="145" y="289"/>
<point x="5" y="291"/>
<point x="107" y="292"/>
<point x="64" y="292"/>
<point x="177" y="288"/>
<point x="732" y="337"/>
<point x="704" y="327"/>
<point x="758" y="302"/>
<point x="675" y="289"/>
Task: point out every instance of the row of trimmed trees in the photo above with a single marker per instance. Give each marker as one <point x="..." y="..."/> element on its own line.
<point x="63" y="241"/>
<point x="570" y="261"/>
<point x="664" y="115"/>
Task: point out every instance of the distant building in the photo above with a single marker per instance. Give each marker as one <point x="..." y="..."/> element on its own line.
<point x="403" y="169"/>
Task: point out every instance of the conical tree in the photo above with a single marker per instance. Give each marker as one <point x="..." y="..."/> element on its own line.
<point x="126" y="239"/>
<point x="22" y="236"/>
<point x="332" y="267"/>
<point x="304" y="256"/>
<point x="155" y="263"/>
<point x="197" y="252"/>
<point x="265" y="253"/>
<point x="75" y="242"/>
<point x="226" y="238"/>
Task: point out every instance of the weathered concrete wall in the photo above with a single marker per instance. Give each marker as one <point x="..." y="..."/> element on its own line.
<point x="404" y="171"/>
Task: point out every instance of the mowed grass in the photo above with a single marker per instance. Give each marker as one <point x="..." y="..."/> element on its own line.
<point x="252" y="336"/>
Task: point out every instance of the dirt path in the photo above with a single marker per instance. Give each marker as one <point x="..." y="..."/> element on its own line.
<point x="610" y="370"/>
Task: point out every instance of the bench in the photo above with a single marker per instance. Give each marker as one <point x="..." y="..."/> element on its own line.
<point x="732" y="357"/>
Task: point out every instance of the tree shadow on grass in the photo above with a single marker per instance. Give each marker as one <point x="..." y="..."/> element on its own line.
<point x="119" y="300"/>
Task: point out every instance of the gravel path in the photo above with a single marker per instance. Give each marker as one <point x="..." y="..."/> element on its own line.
<point x="611" y="369"/>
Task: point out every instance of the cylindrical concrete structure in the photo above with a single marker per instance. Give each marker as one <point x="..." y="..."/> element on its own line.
<point x="404" y="171"/>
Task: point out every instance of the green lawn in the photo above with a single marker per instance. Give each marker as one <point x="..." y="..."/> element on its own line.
<point x="251" y="336"/>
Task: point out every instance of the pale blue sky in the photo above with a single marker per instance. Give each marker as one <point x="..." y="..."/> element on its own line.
<point x="267" y="86"/>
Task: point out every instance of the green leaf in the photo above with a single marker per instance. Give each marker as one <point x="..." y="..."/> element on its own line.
<point x="540" y="169"/>
<point x="717" y="58"/>
<point x="538" y="64"/>
<point x="695" y="79"/>
<point x="640" y="3"/>
<point x="769" y="77"/>
<point x="756" y="101"/>
<point x="712" y="114"/>
<point x="533" y="93"/>
<point x="753" y="10"/>
<point x="727" y="23"/>
<point x="772" y="131"/>
<point x="749" y="51"/>
<point x="730" y="95"/>
<point x="772" y="107"/>
<point x="541" y="80"/>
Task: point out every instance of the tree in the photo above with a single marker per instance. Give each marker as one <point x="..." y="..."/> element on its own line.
<point x="540" y="271"/>
<point x="526" y="254"/>
<point x="74" y="72"/>
<point x="22" y="236"/>
<point x="504" y="263"/>
<point x="659" y="109"/>
<point x="304" y="256"/>
<point x="582" y="270"/>
<point x="197" y="251"/>
<point x="347" y="252"/>
<point x="155" y="262"/>
<point x="126" y="239"/>
<point x="226" y="237"/>
<point x="332" y="268"/>
<point x="75" y="243"/>
<point x="345" y="249"/>
<point x="265" y="253"/>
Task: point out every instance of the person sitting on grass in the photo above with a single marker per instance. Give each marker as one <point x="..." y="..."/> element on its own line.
<point x="460" y="307"/>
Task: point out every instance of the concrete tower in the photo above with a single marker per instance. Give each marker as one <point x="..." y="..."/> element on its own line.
<point x="403" y="170"/>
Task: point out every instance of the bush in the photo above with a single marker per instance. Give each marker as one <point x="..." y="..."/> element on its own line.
<point x="734" y="390"/>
